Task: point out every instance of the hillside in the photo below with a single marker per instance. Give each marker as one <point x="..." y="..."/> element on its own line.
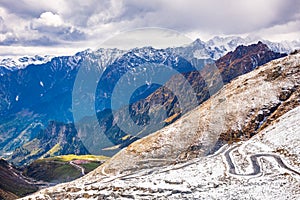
<point x="251" y="114"/>
<point x="64" y="168"/>
<point x="44" y="172"/>
<point x="13" y="184"/>
<point x="265" y="167"/>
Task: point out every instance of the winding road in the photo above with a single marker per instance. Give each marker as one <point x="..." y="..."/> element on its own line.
<point x="255" y="164"/>
<point x="78" y="167"/>
<point x="156" y="169"/>
<point x="225" y="151"/>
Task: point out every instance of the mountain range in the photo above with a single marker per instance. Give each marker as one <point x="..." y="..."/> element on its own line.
<point x="53" y="104"/>
<point x="257" y="114"/>
<point x="214" y="48"/>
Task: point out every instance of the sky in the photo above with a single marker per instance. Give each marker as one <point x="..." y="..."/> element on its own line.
<point x="63" y="27"/>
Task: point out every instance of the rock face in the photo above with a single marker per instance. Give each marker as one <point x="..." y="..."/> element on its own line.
<point x="229" y="115"/>
<point x="177" y="161"/>
<point x="244" y="59"/>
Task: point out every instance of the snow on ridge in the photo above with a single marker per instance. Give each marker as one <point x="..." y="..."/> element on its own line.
<point x="13" y="63"/>
<point x="211" y="49"/>
<point x="231" y="42"/>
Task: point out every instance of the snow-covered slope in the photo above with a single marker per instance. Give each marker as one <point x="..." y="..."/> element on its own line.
<point x="265" y="167"/>
<point x="168" y="164"/>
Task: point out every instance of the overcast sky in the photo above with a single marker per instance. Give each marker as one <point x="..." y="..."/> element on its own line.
<point x="63" y="27"/>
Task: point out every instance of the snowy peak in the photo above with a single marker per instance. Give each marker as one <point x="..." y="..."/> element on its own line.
<point x="218" y="46"/>
<point x="22" y="62"/>
<point x="230" y="43"/>
<point x="198" y="43"/>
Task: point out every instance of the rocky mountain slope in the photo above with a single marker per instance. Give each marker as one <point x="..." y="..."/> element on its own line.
<point x="264" y="167"/>
<point x="187" y="159"/>
<point x="36" y="101"/>
<point x="13" y="184"/>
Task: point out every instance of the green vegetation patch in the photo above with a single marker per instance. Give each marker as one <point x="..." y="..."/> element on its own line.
<point x="58" y="169"/>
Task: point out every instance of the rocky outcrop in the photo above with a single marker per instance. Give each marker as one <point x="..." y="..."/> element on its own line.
<point x="245" y="59"/>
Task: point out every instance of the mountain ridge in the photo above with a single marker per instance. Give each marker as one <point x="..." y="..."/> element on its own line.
<point x="213" y="48"/>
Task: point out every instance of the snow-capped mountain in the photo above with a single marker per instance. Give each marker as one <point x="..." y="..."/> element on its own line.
<point x="226" y="44"/>
<point x="217" y="47"/>
<point x="212" y="49"/>
<point x="256" y="114"/>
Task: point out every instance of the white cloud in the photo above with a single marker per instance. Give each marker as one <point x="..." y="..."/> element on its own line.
<point x="155" y="37"/>
<point x="20" y="51"/>
<point x="75" y="22"/>
<point x="282" y="32"/>
<point x="49" y="19"/>
<point x="53" y="26"/>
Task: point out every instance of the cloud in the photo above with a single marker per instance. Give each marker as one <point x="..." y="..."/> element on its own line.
<point x="29" y="9"/>
<point x="205" y="17"/>
<point x="49" y="19"/>
<point x="3" y="27"/>
<point x="41" y="41"/>
<point x="157" y="38"/>
<point x="11" y="39"/>
<point x="43" y="23"/>
<point x="53" y="25"/>
<point x="219" y="16"/>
